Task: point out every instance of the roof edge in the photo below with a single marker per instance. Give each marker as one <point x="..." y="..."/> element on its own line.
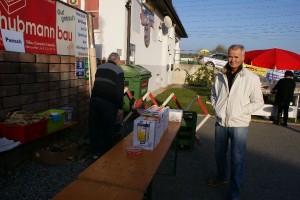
<point x="179" y="27"/>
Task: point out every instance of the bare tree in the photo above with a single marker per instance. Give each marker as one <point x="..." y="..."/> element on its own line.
<point x="220" y="49"/>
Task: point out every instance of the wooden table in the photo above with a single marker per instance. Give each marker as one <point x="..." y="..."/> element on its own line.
<point x="118" y="175"/>
<point x="88" y="190"/>
<point x="119" y="169"/>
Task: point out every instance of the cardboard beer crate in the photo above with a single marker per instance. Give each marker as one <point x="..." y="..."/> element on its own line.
<point x="48" y="157"/>
<point x="186" y="134"/>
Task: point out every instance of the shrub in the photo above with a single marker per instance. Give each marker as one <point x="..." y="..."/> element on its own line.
<point x="202" y="77"/>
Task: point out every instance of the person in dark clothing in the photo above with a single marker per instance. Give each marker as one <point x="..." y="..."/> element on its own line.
<point x="106" y="103"/>
<point x="284" y="90"/>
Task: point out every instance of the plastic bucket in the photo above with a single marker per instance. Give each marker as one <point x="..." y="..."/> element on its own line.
<point x="55" y="117"/>
<point x="68" y="115"/>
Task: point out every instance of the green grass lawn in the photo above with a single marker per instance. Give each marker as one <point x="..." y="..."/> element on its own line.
<point x="185" y="96"/>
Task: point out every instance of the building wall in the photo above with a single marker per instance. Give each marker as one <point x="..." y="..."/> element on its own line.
<point x="112" y="29"/>
<point x="177" y="53"/>
<point x="159" y="55"/>
<point x="111" y="36"/>
<point x="37" y="82"/>
<point x="180" y="71"/>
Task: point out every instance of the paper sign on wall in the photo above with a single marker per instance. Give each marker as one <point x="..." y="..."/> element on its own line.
<point x="13" y="41"/>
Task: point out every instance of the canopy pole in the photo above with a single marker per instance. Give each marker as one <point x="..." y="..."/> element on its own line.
<point x="128" y="7"/>
<point x="92" y="50"/>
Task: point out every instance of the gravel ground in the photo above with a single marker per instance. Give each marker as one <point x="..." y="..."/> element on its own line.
<point x="32" y="180"/>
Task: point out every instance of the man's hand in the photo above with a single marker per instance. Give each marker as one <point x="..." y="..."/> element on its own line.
<point x="120" y="112"/>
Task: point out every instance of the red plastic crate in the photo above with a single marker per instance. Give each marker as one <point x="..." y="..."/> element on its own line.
<point x="24" y="133"/>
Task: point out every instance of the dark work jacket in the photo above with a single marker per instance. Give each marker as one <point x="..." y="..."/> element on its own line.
<point x="109" y="83"/>
<point x="285" y="91"/>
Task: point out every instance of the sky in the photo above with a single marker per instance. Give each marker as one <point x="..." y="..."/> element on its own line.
<point x="257" y="24"/>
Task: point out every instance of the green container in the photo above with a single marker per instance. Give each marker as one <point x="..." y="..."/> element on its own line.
<point x="56" y="119"/>
<point x="136" y="79"/>
<point x="186" y="134"/>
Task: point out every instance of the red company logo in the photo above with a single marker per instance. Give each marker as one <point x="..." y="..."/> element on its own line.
<point x="12" y="6"/>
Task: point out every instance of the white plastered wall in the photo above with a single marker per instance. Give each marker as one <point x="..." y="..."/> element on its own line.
<point x="159" y="55"/>
<point x="111" y="35"/>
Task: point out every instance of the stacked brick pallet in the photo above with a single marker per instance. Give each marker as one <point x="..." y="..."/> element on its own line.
<point x="38" y="82"/>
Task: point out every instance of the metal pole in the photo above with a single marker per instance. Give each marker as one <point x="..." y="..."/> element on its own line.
<point x="297" y="105"/>
<point x="128" y="7"/>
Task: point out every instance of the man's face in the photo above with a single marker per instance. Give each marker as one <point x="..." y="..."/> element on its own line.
<point x="235" y="58"/>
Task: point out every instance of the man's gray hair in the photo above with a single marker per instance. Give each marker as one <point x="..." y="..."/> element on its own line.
<point x="114" y="57"/>
<point x="237" y="46"/>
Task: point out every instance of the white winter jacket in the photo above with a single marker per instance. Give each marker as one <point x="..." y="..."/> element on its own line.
<point x="234" y="108"/>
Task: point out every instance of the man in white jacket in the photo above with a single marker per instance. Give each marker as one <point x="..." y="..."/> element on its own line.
<point x="235" y="95"/>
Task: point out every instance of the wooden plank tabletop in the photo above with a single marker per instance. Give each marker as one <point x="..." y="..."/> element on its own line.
<point x="88" y="190"/>
<point x="118" y="168"/>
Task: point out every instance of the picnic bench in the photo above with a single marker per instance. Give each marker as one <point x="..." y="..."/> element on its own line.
<point x="118" y="173"/>
<point x="88" y="190"/>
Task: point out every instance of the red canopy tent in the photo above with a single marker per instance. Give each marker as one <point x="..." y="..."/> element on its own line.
<point x="273" y="59"/>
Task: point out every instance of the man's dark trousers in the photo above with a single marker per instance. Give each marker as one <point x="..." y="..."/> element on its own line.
<point x="102" y="117"/>
<point x="285" y="109"/>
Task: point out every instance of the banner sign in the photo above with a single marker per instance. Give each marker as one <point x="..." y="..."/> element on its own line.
<point x="275" y="74"/>
<point x="257" y="70"/>
<point x="65" y="24"/>
<point x="270" y="74"/>
<point x="36" y="25"/>
<point x="42" y="26"/>
<point x="81" y="35"/>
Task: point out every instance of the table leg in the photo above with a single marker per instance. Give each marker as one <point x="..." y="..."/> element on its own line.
<point x="175" y="159"/>
<point x="148" y="193"/>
